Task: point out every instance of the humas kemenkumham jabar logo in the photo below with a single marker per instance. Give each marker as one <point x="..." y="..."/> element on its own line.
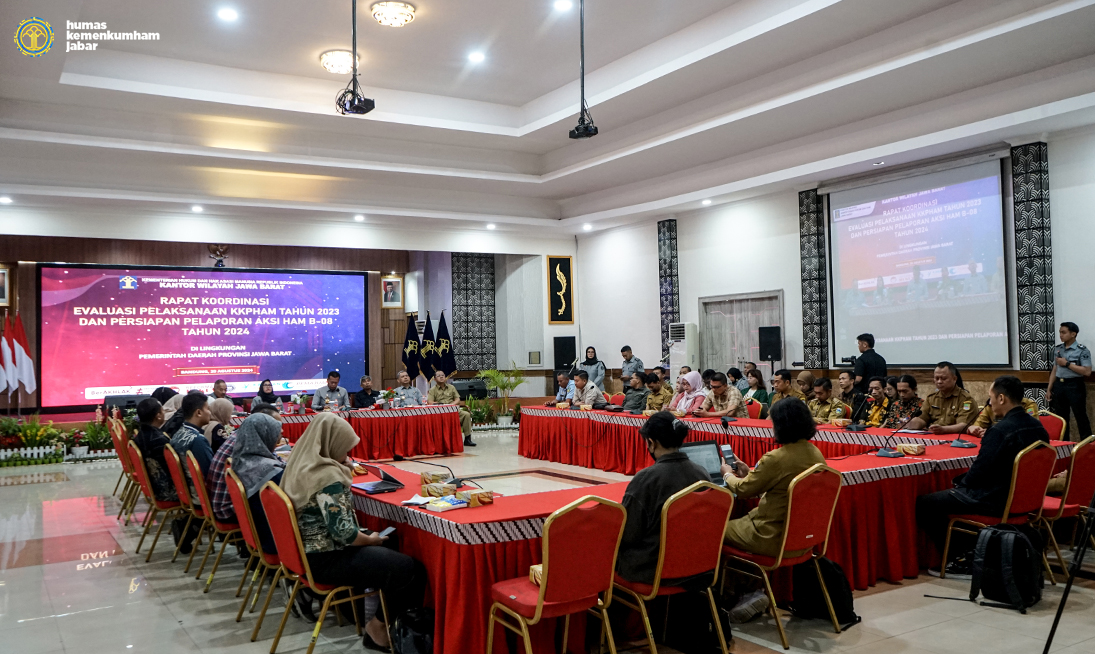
<point x="34" y="37"/>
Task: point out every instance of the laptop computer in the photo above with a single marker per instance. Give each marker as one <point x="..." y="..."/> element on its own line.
<point x="707" y="455"/>
<point x="386" y="483"/>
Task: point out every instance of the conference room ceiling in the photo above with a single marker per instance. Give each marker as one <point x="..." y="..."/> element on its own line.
<point x="695" y="100"/>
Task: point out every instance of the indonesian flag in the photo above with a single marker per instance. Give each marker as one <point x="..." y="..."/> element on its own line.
<point x="7" y="362"/>
<point x="24" y="365"/>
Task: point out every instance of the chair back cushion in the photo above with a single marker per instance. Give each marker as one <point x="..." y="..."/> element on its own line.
<point x="618" y="399"/>
<point x="753" y="407"/>
<point x="120" y="446"/>
<point x="1054" y="424"/>
<point x="174" y="467"/>
<point x="242" y="509"/>
<point x="693" y="524"/>
<point x="811" y="498"/>
<point x="136" y="459"/>
<point x="198" y="478"/>
<point x="283" y="526"/>
<point x="580" y="542"/>
<point x="1081" y="475"/>
<point x="1030" y="476"/>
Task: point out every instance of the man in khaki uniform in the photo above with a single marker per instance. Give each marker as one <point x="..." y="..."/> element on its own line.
<point x="783" y="387"/>
<point x="824" y="407"/>
<point x="949" y="409"/>
<point x="724" y="400"/>
<point x="446" y="393"/>
<point x="987" y="417"/>
<point x="660" y="394"/>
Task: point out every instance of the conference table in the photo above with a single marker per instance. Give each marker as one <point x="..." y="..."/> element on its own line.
<point x="385" y="433"/>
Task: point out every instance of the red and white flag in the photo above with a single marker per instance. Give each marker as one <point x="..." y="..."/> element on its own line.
<point x="24" y="365"/>
<point x="7" y="362"/>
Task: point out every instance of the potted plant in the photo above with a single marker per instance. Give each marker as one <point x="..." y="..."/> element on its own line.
<point x="385" y="400"/>
<point x="75" y="441"/>
<point x="97" y="437"/>
<point x="504" y="382"/>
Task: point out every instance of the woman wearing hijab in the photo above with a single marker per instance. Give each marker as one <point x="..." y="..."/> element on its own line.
<point x="266" y="396"/>
<point x="317" y="480"/>
<point x="172" y="415"/>
<point x="594" y="367"/>
<point x="254" y="462"/>
<point x="690" y="394"/>
<point x="219" y="426"/>
<point x="163" y="394"/>
<point x="806" y="384"/>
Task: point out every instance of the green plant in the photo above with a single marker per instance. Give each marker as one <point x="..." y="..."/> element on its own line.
<point x="35" y="434"/>
<point x="505" y="382"/>
<point x="132" y="423"/>
<point x="480" y="410"/>
<point x="517" y="413"/>
<point x="97" y="437"/>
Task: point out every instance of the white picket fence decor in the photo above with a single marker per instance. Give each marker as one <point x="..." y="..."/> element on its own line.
<point x="28" y="453"/>
<point x="92" y="454"/>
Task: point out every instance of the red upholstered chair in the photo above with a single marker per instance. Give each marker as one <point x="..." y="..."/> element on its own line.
<point x="1079" y="489"/>
<point x="693" y="523"/>
<point x="607" y="397"/>
<point x="618" y="399"/>
<point x="119" y="437"/>
<point x="294" y="565"/>
<point x="580" y="542"/>
<point x="753" y="407"/>
<point x="1029" y="478"/>
<point x="259" y="557"/>
<point x="230" y="530"/>
<point x="169" y="509"/>
<point x="1054" y="424"/>
<point x="182" y="490"/>
<point x="812" y="498"/>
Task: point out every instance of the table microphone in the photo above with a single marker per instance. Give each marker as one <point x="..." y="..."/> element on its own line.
<point x="958" y="442"/>
<point x="852" y="426"/>
<point x="455" y="481"/>
<point x="892" y="453"/>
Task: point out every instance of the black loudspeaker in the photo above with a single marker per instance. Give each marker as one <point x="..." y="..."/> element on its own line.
<point x="476" y="388"/>
<point x="771" y="346"/>
<point x="566" y="349"/>
<point x="123" y="402"/>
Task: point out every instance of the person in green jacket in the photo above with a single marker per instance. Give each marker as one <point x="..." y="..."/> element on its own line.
<point x="756" y="390"/>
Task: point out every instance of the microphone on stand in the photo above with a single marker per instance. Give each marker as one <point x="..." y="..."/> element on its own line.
<point x="456" y="481"/>
<point x="958" y="442"/>
<point x="852" y="426"/>
<point x="890" y="452"/>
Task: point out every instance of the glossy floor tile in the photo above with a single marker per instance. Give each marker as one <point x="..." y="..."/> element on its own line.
<point x="70" y="582"/>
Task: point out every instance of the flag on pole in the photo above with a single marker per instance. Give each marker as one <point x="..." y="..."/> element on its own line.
<point x="430" y="362"/>
<point x="446" y="358"/>
<point x="411" y="357"/>
<point x="6" y="357"/>
<point x="3" y="359"/>
<point x="24" y="365"/>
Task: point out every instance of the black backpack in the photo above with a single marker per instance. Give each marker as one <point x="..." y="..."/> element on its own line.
<point x="809" y="601"/>
<point x="1007" y="567"/>
<point x="412" y="632"/>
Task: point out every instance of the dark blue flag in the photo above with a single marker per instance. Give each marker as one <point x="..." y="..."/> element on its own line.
<point x="446" y="357"/>
<point x="430" y="362"/>
<point x="411" y="356"/>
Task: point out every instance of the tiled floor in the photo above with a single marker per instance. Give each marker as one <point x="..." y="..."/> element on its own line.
<point x="69" y="582"/>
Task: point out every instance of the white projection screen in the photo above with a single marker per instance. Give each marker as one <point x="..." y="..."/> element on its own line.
<point x="919" y="263"/>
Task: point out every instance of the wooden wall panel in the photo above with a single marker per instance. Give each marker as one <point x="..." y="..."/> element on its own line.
<point x="163" y="253"/>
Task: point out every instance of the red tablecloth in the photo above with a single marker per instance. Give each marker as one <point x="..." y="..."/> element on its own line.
<point x="408" y="431"/>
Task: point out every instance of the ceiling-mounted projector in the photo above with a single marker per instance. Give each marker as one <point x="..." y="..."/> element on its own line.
<point x="351" y="101"/>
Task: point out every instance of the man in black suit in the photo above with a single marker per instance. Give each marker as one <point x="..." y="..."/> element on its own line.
<point x="869" y="363"/>
<point x="390" y="293"/>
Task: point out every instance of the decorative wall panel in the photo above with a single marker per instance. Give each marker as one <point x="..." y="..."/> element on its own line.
<point x="668" y="284"/>
<point x="473" y="315"/>
<point x="815" y="285"/>
<point x="1033" y="255"/>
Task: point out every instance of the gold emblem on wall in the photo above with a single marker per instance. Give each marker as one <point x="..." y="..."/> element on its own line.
<point x="560" y="290"/>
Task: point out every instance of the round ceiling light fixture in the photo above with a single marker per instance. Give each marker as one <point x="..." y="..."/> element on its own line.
<point x="339" y="62"/>
<point x="393" y="14"/>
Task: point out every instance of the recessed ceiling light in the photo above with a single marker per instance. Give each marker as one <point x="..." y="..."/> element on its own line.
<point x="339" y="62"/>
<point x="393" y="272"/>
<point x="228" y="14"/>
<point x="197" y="208"/>
<point x="587" y="227"/>
<point x="563" y="5"/>
<point x="477" y="57"/>
<point x="393" y="14"/>
<point x="5" y="200"/>
<point x="359" y="218"/>
<point x="878" y="163"/>
<point x="490" y="226"/>
<point x="706" y="202"/>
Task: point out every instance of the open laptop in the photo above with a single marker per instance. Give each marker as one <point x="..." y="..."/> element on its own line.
<point x="387" y="483"/>
<point x="707" y="455"/>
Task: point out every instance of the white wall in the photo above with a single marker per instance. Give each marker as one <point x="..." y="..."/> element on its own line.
<point x="1072" y="214"/>
<point x="616" y="274"/>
